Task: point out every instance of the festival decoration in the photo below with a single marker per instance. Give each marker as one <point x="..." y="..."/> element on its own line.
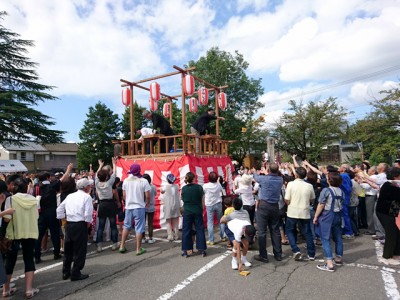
<point x="153" y="105"/>
<point x="203" y="96"/>
<point x="166" y="109"/>
<point x="193" y="105"/>
<point x="126" y="96"/>
<point x="155" y="94"/>
<point x="188" y="85"/>
<point x="222" y="101"/>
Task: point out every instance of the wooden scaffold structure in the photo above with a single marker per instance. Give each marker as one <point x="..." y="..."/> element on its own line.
<point x="183" y="142"/>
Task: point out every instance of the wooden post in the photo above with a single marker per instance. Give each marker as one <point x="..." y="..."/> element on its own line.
<point x="170" y="111"/>
<point x="183" y="106"/>
<point x="216" y="112"/>
<point x="132" y="115"/>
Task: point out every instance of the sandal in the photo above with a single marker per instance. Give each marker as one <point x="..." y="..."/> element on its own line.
<point x="285" y="242"/>
<point x="10" y="292"/>
<point x="142" y="251"/>
<point x="31" y="294"/>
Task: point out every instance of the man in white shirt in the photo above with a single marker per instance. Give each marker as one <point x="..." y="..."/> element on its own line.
<point x="298" y="196"/>
<point x="77" y="209"/>
<point x="143" y="132"/>
<point x="136" y="193"/>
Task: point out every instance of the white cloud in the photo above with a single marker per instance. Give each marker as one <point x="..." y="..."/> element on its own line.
<point x="84" y="47"/>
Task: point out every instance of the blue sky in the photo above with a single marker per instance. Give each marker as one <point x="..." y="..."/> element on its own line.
<point x="85" y="46"/>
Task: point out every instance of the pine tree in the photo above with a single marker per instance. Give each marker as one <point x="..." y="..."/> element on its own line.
<point x="100" y="128"/>
<point x="20" y="93"/>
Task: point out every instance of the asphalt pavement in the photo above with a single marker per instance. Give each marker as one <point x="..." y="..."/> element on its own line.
<point x="161" y="273"/>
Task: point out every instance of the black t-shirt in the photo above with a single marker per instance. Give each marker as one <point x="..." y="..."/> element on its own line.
<point x="48" y="193"/>
<point x="388" y="193"/>
<point x="161" y="123"/>
<point x="202" y="124"/>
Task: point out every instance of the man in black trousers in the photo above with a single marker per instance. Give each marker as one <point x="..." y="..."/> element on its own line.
<point x="77" y="208"/>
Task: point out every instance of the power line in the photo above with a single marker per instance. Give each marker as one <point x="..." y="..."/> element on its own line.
<point x="345" y="82"/>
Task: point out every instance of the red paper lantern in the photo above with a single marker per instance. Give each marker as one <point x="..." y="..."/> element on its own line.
<point x="203" y="96"/>
<point x="155" y="94"/>
<point x="188" y="85"/>
<point x="166" y="110"/>
<point x="126" y="96"/>
<point x="153" y="105"/>
<point x="222" y="102"/>
<point x="193" y="105"/>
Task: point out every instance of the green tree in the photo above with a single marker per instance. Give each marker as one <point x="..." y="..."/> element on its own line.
<point x="20" y="93"/>
<point x="222" y="68"/>
<point x="138" y="120"/>
<point x="307" y="128"/>
<point x="252" y="140"/>
<point x="379" y="130"/>
<point x="100" y="128"/>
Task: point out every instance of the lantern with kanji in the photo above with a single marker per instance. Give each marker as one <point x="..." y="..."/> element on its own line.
<point x="153" y="105"/>
<point x="126" y="97"/>
<point x="222" y="102"/>
<point x="155" y="94"/>
<point x="193" y="105"/>
<point x="188" y="85"/>
<point x="203" y="96"/>
<point x="167" y="109"/>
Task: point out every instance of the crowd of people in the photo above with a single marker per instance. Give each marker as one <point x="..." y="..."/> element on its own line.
<point x="291" y="200"/>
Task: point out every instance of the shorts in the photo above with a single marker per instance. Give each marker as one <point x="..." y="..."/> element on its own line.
<point x="137" y="215"/>
<point x="120" y="216"/>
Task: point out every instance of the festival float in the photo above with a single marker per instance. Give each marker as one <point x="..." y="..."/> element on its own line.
<point x="212" y="154"/>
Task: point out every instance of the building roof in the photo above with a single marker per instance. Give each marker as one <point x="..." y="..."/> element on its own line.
<point x="62" y="147"/>
<point x="11" y="166"/>
<point x="25" y="146"/>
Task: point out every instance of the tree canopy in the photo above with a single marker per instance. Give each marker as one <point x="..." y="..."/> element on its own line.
<point x="307" y="128"/>
<point x="222" y="68"/>
<point x="100" y="128"/>
<point x="20" y="92"/>
<point x="379" y="131"/>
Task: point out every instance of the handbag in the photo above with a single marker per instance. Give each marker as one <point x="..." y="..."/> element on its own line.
<point x="5" y="244"/>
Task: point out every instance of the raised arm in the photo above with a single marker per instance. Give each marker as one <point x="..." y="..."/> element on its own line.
<point x="101" y="164"/>
<point x="296" y="165"/>
<point x="67" y="171"/>
<point x="312" y="168"/>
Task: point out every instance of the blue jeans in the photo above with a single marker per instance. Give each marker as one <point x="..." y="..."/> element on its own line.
<point x="336" y="232"/>
<point x="113" y="228"/>
<point x="312" y="214"/>
<point x="306" y="228"/>
<point x="187" y="232"/>
<point x="345" y="214"/>
<point x="217" y="208"/>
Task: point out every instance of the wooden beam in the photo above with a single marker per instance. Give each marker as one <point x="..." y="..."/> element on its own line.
<point x="160" y="76"/>
<point x="145" y="88"/>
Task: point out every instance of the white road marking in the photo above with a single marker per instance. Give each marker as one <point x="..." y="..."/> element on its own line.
<point x="392" y="292"/>
<point x="60" y="263"/>
<point x="192" y="277"/>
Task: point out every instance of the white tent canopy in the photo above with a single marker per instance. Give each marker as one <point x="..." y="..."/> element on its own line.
<point x="12" y="166"/>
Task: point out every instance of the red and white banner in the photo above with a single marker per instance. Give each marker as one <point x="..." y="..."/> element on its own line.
<point x="158" y="170"/>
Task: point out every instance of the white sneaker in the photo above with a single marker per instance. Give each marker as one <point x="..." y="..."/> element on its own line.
<point x="235" y="264"/>
<point x="297" y="256"/>
<point x="114" y="247"/>
<point x="143" y="241"/>
<point x="246" y="262"/>
<point x="99" y="248"/>
<point x="151" y="241"/>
